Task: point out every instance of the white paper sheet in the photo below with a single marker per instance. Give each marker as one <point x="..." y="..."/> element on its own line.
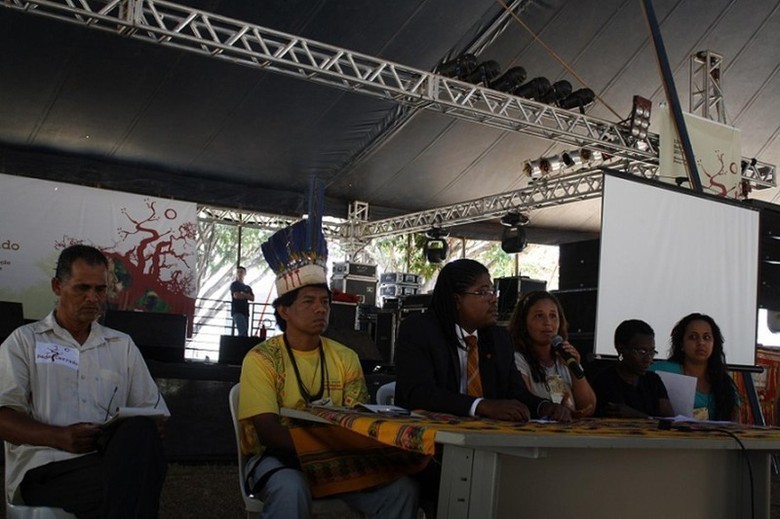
<point x="682" y="392"/>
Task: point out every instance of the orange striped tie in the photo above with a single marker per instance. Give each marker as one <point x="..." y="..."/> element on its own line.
<point x="473" y="381"/>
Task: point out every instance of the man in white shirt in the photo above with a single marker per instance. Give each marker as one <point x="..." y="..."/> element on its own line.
<point x="60" y="379"/>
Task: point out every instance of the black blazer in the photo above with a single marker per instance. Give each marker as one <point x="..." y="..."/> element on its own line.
<point x="428" y="371"/>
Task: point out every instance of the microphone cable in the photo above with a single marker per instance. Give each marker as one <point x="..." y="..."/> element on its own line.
<point x="744" y="451"/>
<point x="686" y="427"/>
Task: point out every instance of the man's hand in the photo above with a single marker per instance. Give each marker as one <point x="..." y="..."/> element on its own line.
<point x="556" y="412"/>
<point x="78" y="438"/>
<point x="510" y="410"/>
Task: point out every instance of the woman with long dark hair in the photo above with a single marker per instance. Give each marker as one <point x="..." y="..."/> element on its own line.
<point x="697" y="351"/>
<point x="537" y="318"/>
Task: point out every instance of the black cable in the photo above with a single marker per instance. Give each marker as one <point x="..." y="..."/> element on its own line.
<point x="668" y="424"/>
<point x="749" y="465"/>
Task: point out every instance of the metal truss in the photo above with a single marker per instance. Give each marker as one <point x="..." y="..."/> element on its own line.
<point x="239" y="42"/>
<point x="542" y="193"/>
<point x="761" y="175"/>
<point x="257" y="220"/>
<point x="706" y="96"/>
<point x="251" y="45"/>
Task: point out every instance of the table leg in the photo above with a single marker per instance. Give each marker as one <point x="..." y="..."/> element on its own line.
<point x="468" y="483"/>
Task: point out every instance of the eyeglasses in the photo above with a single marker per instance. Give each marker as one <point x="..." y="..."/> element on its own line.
<point x="108" y="407"/>
<point x="113" y="394"/>
<point x="485" y="294"/>
<point x="640" y="352"/>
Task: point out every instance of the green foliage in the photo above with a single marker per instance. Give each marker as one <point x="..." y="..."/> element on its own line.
<point x="405" y="254"/>
<point x="218" y="249"/>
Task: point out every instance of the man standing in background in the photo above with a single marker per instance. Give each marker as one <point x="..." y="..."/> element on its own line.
<point x="239" y="303"/>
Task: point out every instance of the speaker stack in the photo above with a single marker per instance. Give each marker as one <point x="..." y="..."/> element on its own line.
<point x="355" y="278"/>
<point x="578" y="281"/>
<point x="769" y="257"/>
<point x="510" y="289"/>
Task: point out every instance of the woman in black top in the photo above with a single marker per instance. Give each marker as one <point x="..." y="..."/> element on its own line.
<point x="627" y="389"/>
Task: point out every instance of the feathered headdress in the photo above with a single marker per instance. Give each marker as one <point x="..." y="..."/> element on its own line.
<point x="298" y="254"/>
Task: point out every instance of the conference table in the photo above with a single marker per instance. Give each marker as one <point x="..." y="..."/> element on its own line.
<point x="600" y="468"/>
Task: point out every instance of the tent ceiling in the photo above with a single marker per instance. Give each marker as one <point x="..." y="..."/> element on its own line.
<point x="96" y="108"/>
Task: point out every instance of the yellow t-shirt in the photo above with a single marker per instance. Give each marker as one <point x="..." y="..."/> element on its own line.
<point x="268" y="382"/>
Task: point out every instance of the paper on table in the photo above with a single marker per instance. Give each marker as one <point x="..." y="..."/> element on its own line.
<point x="388" y="409"/>
<point x="681" y="390"/>
<point x="127" y="412"/>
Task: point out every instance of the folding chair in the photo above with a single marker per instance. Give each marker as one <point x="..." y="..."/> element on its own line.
<point x="20" y="511"/>
<point x="253" y="505"/>
<point x="385" y="395"/>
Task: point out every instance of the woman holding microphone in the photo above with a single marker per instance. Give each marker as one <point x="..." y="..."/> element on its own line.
<point x="550" y="366"/>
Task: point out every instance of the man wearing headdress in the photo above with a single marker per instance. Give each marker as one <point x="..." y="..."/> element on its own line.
<point x="297" y="368"/>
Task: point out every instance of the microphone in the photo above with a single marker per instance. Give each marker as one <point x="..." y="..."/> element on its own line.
<point x="574" y="366"/>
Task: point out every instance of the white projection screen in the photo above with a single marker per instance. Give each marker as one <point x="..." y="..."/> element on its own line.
<point x="666" y="253"/>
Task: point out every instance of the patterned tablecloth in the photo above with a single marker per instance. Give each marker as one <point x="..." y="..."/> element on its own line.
<point x="417" y="434"/>
<point x="361" y="449"/>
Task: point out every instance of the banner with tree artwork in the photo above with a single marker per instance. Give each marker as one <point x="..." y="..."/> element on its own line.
<point x="717" y="148"/>
<point x="150" y="243"/>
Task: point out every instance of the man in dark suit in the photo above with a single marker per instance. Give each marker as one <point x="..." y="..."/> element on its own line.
<point x="454" y="359"/>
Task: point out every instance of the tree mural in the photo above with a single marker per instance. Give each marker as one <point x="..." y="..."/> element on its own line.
<point x="151" y="263"/>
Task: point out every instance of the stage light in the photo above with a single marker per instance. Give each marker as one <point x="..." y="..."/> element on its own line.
<point x="559" y="91"/>
<point x="639" y="121"/>
<point x="484" y="73"/>
<point x="550" y="164"/>
<point x="590" y="155"/>
<point x="459" y="67"/>
<point x="542" y="166"/>
<point x="572" y="158"/>
<point x="578" y="99"/>
<point x="514" y="219"/>
<point x="436" y="247"/>
<point x="513" y="238"/>
<point x="509" y="80"/>
<point x="535" y="89"/>
<point x="532" y="169"/>
<point x="745" y="165"/>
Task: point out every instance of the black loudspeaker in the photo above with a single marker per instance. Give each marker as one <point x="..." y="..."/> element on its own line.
<point x="579" y="265"/>
<point x="343" y="315"/>
<point x="769" y="260"/>
<point x="159" y="336"/>
<point x="11" y="318"/>
<point x="511" y="289"/>
<point x="414" y="304"/>
<point x="513" y="240"/>
<point x="579" y="306"/>
<point x="384" y="334"/>
<point x="233" y="348"/>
